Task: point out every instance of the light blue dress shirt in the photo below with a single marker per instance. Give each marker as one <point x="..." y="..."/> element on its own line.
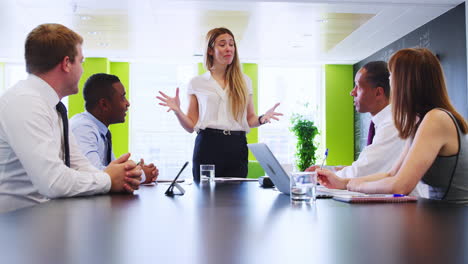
<point x="90" y="133"/>
<point x="91" y="136"/>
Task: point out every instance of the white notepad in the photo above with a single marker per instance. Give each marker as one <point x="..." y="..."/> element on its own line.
<point x="374" y="198"/>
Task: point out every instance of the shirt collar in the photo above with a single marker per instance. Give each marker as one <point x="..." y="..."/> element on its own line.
<point x="220" y="91"/>
<point x="207" y="75"/>
<point x="382" y="115"/>
<point x="101" y="127"/>
<point x="45" y="89"/>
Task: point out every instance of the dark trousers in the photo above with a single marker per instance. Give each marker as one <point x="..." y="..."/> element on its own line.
<point x="228" y="153"/>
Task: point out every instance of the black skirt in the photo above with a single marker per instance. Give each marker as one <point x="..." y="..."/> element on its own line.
<point x="227" y="150"/>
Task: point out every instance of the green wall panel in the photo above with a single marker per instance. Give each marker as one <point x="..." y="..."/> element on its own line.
<point x="120" y="132"/>
<point x="339" y="115"/>
<point x="255" y="170"/>
<point x="90" y="67"/>
<point x="201" y="68"/>
<point x="251" y="70"/>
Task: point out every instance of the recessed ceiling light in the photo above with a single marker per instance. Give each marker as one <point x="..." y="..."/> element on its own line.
<point x="103" y="44"/>
<point x="93" y="32"/>
<point x="321" y="20"/>
<point x="296" y="44"/>
<point x="85" y="17"/>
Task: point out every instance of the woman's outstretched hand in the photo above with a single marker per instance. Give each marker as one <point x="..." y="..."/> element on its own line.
<point x="173" y="103"/>
<point x="271" y="114"/>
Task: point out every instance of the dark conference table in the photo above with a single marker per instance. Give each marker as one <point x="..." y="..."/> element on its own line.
<point x="231" y="223"/>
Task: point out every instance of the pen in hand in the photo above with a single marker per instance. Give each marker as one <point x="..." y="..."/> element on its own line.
<point x="386" y="195"/>
<point x="324" y="158"/>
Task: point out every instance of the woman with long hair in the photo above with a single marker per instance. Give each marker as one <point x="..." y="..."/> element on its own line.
<point x="437" y="149"/>
<point x="220" y="109"/>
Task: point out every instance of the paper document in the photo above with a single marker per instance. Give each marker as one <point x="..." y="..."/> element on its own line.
<point x="375" y="198"/>
<point x="357" y="197"/>
<point x="232" y="179"/>
<point x="163" y="180"/>
<point x="321" y="190"/>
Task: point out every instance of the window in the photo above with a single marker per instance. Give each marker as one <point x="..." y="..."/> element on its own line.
<point x="158" y="137"/>
<point x="2" y="78"/>
<point x="293" y="87"/>
<point x="14" y="72"/>
<point x="155" y="134"/>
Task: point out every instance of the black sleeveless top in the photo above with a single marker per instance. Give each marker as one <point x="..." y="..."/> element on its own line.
<point x="448" y="176"/>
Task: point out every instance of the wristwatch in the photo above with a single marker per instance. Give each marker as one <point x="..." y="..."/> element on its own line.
<point x="260" y="120"/>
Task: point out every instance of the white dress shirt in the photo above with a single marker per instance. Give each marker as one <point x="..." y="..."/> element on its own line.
<point x="214" y="110"/>
<point x="32" y="169"/>
<point x="381" y="155"/>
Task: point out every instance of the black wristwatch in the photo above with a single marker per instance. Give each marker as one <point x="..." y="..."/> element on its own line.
<point x="260" y="120"/>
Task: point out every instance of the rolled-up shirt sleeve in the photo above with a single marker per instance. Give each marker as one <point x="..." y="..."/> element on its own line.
<point x="380" y="156"/>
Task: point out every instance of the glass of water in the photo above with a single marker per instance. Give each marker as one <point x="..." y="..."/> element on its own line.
<point x="303" y="186"/>
<point x="207" y="172"/>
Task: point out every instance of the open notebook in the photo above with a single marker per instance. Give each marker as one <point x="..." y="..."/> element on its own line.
<point x="356" y="197"/>
<point x="324" y="192"/>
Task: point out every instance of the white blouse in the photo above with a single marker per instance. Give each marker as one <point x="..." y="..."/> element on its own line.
<point x="214" y="110"/>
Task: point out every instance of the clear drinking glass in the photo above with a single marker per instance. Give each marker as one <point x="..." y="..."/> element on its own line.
<point x="303" y="187"/>
<point x="207" y="172"/>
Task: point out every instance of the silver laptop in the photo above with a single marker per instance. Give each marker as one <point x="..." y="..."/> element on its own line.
<point x="271" y="166"/>
<point x="279" y="176"/>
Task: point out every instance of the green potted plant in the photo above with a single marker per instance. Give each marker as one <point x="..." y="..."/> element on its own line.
<point x="305" y="131"/>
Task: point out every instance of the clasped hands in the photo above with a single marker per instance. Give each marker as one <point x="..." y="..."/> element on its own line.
<point x="125" y="174"/>
<point x="151" y="171"/>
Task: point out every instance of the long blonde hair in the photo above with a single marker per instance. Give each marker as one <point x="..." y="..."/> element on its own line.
<point x="237" y="86"/>
<point x="418" y="86"/>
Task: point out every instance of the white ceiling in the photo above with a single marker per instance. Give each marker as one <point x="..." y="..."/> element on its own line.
<point x="296" y="32"/>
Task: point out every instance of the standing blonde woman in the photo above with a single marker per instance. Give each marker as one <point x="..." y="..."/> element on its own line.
<point x="437" y="149"/>
<point x="220" y="109"/>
